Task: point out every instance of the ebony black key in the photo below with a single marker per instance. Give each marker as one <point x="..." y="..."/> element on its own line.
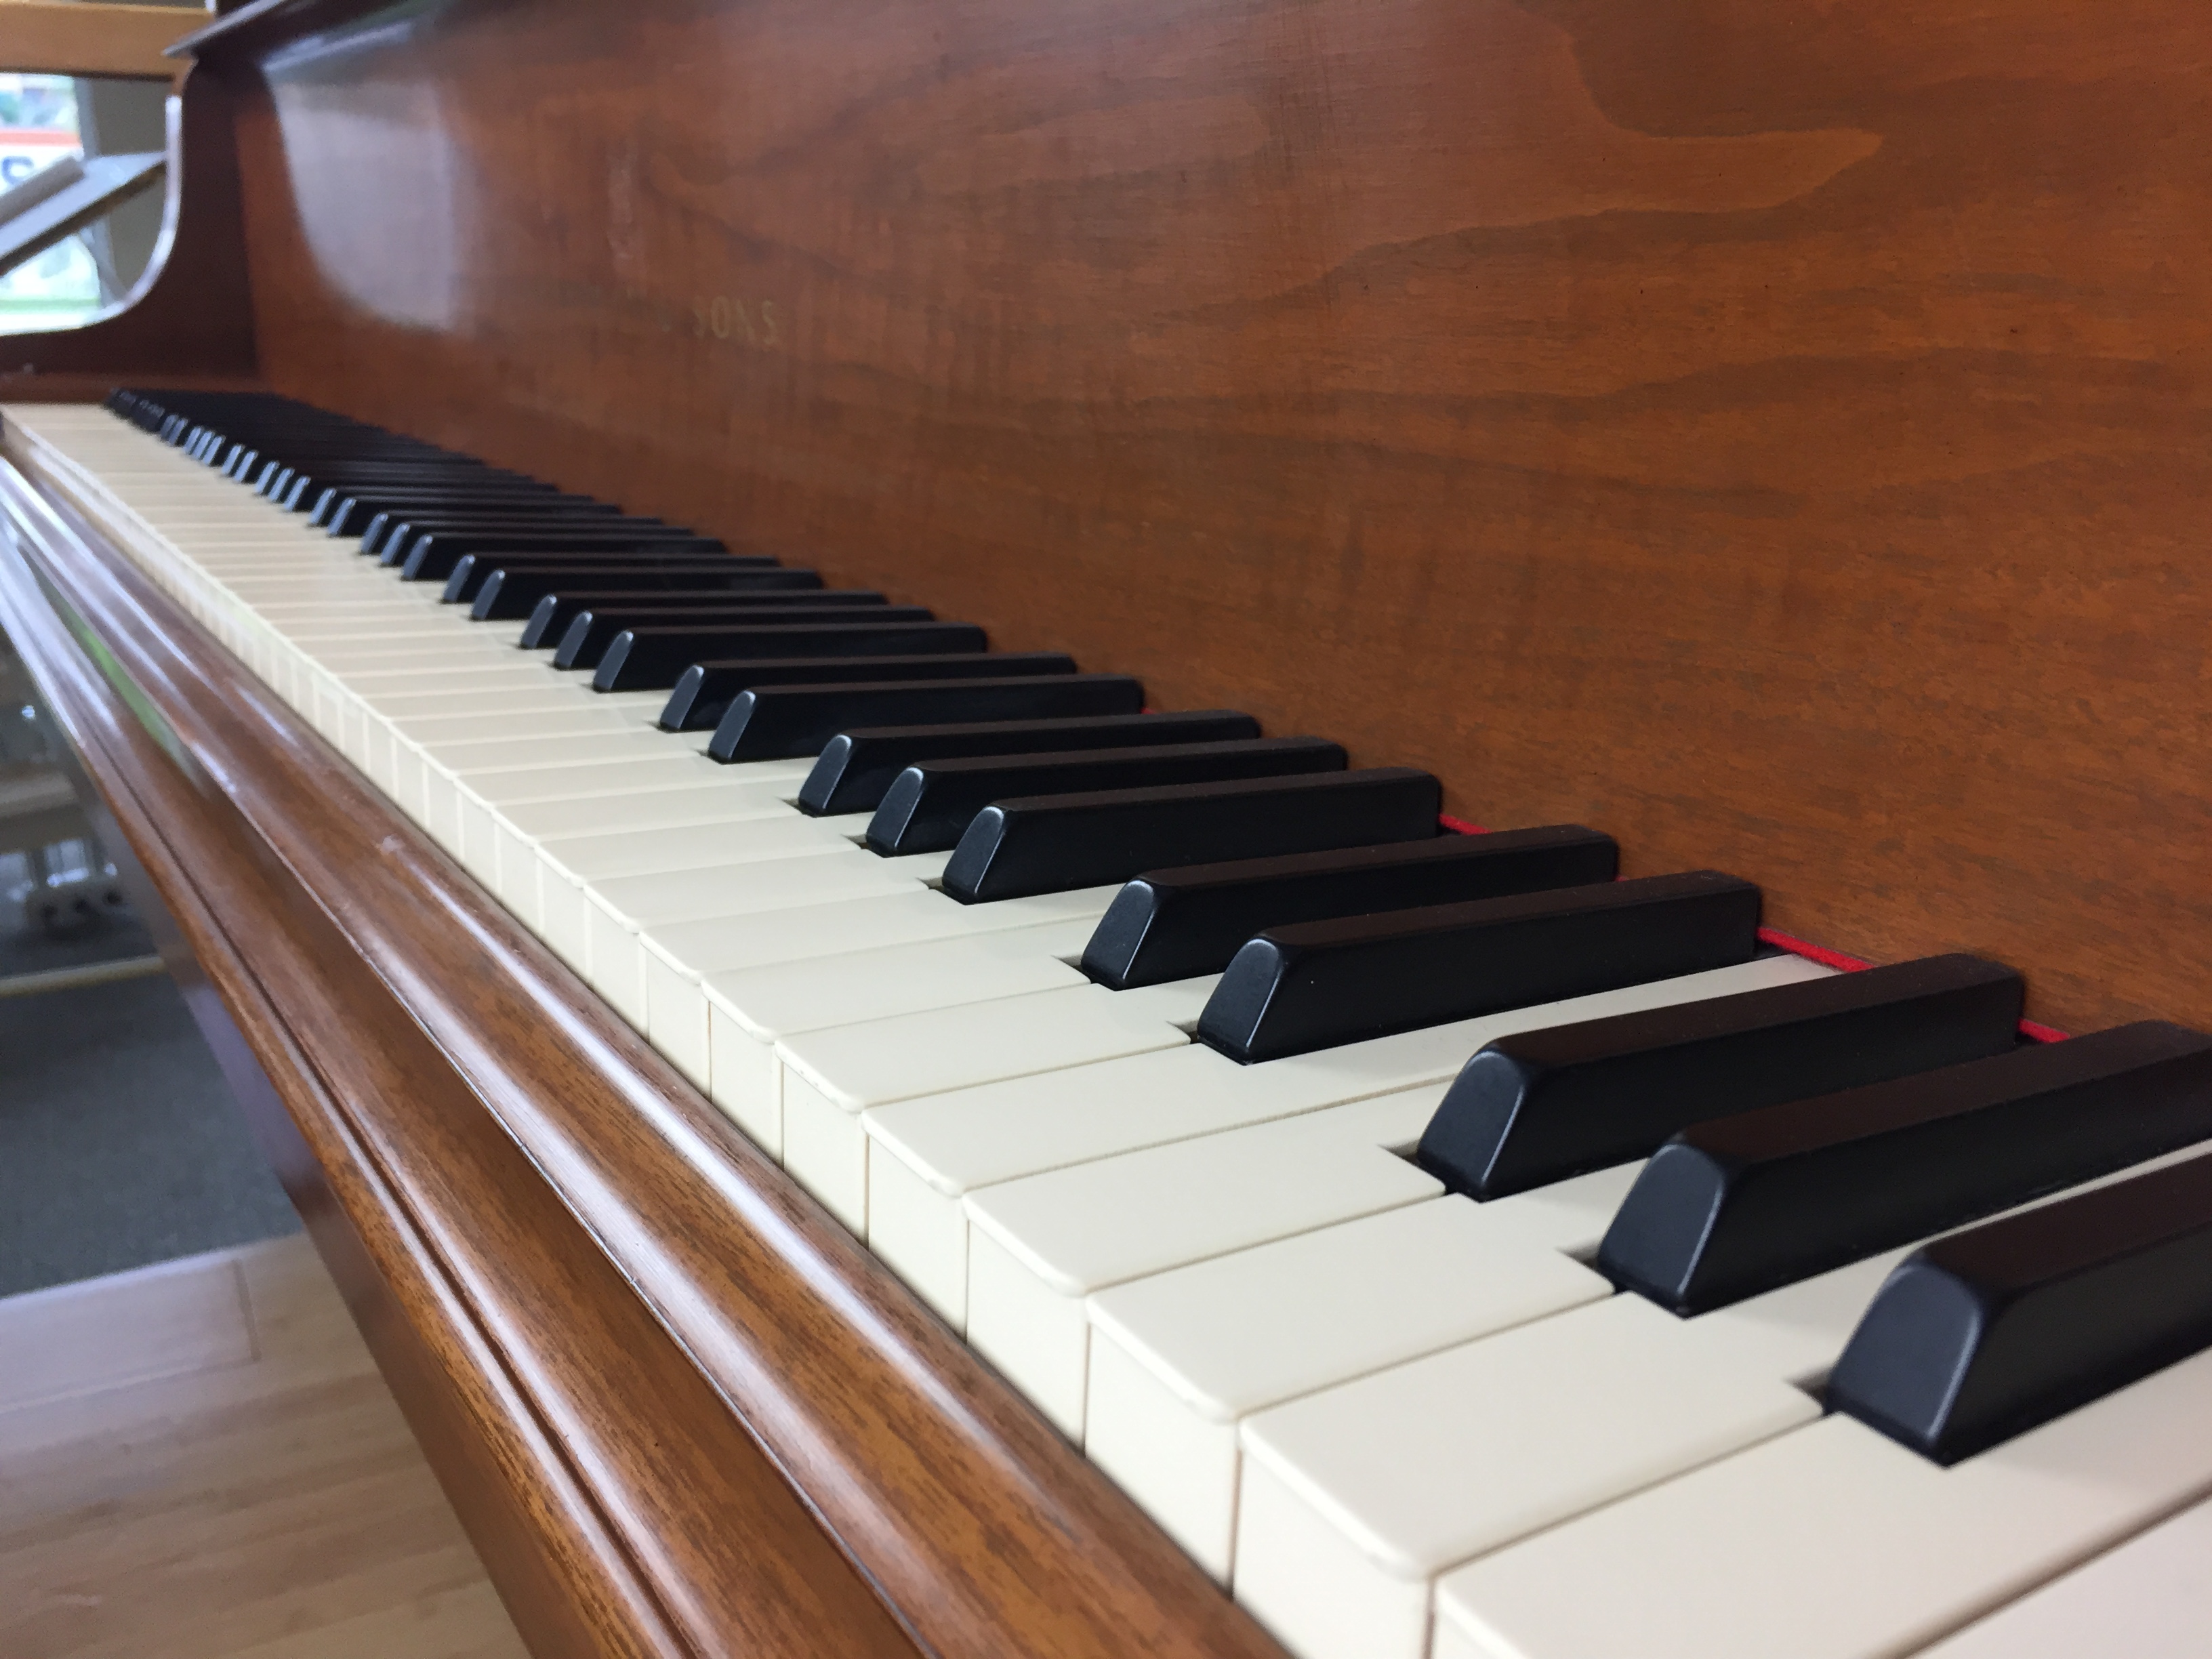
<point x="1173" y="924"/>
<point x="1051" y="843"/>
<point x="1319" y="984"/>
<point x="433" y="556"/>
<point x="1738" y="1204"/>
<point x="594" y="618"/>
<point x="473" y="571"/>
<point x="1991" y="1333"/>
<point x="584" y="643"/>
<point x="497" y="590"/>
<point x="928" y="805"/>
<point x="351" y="512"/>
<point x="706" y="690"/>
<point x="856" y="767"/>
<point x="649" y="658"/>
<point x="782" y="722"/>
<point x="1540" y="1106"/>
<point x="391" y="529"/>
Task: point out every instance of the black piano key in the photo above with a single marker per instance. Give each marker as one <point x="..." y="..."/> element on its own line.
<point x="1051" y="843"/>
<point x="473" y="571"/>
<point x="585" y="642"/>
<point x="705" y="691"/>
<point x="1540" y="1106"/>
<point x="1173" y="924"/>
<point x="1738" y="1204"/>
<point x="1991" y="1333"/>
<point x="654" y="659"/>
<point x="782" y="722"/>
<point x="432" y="556"/>
<point x="930" y="804"/>
<point x="590" y="620"/>
<point x="856" y="767"/>
<point x="497" y="590"/>
<point x="1318" y="984"/>
<point x="393" y="527"/>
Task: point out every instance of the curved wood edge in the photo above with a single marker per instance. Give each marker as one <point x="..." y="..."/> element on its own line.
<point x="981" y="1530"/>
<point x="265" y="23"/>
<point x="189" y="322"/>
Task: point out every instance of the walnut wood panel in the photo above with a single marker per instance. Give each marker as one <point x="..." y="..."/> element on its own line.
<point x="191" y="320"/>
<point x="686" y="1410"/>
<point x="1772" y="433"/>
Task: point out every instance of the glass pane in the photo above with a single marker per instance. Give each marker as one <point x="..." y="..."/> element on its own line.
<point x="38" y="128"/>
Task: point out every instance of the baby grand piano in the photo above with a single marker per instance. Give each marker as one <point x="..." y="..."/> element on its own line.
<point x="1772" y="436"/>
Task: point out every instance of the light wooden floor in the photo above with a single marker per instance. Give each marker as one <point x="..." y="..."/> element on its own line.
<point x="198" y="1461"/>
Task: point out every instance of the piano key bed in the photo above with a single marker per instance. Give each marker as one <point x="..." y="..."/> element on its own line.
<point x="1457" y="1251"/>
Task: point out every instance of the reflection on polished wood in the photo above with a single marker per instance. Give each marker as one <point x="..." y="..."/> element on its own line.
<point x="198" y="1461"/>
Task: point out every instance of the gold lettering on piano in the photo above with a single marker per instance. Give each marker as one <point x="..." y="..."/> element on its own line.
<point x="761" y="324"/>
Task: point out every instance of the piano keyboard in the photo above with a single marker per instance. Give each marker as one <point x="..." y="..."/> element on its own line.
<point x="1460" y="1252"/>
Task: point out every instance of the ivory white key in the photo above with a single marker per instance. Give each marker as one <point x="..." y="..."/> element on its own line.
<point x="382" y="740"/>
<point x="1177" y="1359"/>
<point x="476" y="798"/>
<point x="689" y="1015"/>
<point x="616" y="912"/>
<point x="1038" y="1246"/>
<point x="1401" y="1475"/>
<point x="741" y="792"/>
<point x="828" y="1078"/>
<point x="767" y="829"/>
<point x="765" y="1005"/>
<point x="924" y="1155"/>
<point x="2147" y="1598"/>
<point x="1834" y="1542"/>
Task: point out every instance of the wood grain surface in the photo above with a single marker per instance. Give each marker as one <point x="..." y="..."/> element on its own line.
<point x="678" y="1408"/>
<point x="1772" y="434"/>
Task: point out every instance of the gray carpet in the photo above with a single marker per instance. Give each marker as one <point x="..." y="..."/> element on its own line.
<point x="119" y="1142"/>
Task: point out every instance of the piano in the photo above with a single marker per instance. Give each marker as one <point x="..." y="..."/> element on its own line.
<point x="1332" y="832"/>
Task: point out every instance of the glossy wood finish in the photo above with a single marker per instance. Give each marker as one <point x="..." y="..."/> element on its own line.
<point x="679" y="1410"/>
<point x="1772" y="434"/>
<point x="190" y="321"/>
<point x="65" y="37"/>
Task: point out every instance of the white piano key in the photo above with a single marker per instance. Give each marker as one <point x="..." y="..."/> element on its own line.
<point x="934" y="1151"/>
<point x="386" y="745"/>
<point x="690" y="1018"/>
<point x="1356" y="1498"/>
<point x="2147" y="1598"/>
<point x="828" y="1077"/>
<point x="618" y="913"/>
<point x="1039" y="1246"/>
<point x="764" y="1004"/>
<point x="1178" y="1358"/>
<point x="476" y="798"/>
<point x="1833" y="1542"/>
<point x="518" y="831"/>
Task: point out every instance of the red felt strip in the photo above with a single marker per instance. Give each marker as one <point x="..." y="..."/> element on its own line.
<point x="1821" y="954"/>
<point x="1796" y="947"/>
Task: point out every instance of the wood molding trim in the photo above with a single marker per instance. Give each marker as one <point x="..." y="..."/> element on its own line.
<point x="679" y="1409"/>
<point x="66" y="37"/>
